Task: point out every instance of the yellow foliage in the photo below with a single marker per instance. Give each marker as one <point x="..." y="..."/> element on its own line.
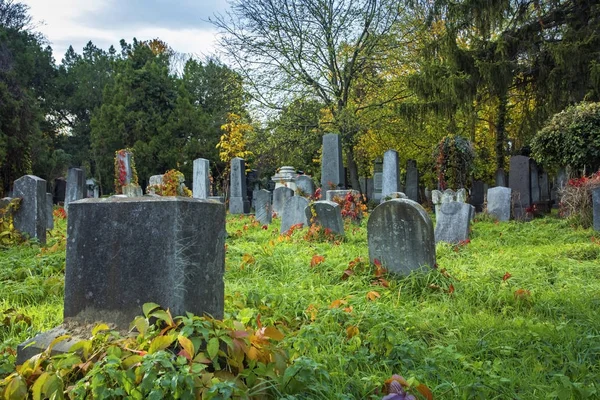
<point x="233" y="141"/>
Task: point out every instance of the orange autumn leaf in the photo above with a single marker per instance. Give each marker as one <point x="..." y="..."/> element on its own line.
<point x="347" y="274"/>
<point x="522" y="294"/>
<point x="373" y="295"/>
<point x="381" y="282"/>
<point x="338" y="303"/>
<point x="316" y="260"/>
<point x="312" y="311"/>
<point x="451" y="289"/>
<point x="506" y="276"/>
<point x="348" y="309"/>
<point x="424" y="390"/>
<point x="352" y="331"/>
<point x="273" y="333"/>
<point x="398" y="379"/>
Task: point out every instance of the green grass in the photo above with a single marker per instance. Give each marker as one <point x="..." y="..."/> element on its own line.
<point x="481" y="341"/>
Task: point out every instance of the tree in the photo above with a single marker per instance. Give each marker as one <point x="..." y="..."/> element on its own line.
<point x="288" y="49"/>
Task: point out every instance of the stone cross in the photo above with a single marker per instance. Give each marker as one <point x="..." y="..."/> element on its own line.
<point x="332" y="166"/>
<point x="201" y="181"/>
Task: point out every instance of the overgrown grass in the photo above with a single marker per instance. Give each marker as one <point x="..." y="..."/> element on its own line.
<point x="512" y="314"/>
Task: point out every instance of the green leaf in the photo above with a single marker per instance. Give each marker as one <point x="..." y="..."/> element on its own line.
<point x="160" y="343"/>
<point x="36" y="389"/>
<point x="56" y="341"/>
<point x="16" y="389"/>
<point x="131" y="361"/>
<point x="149" y="307"/>
<point x="100" y="328"/>
<point x="187" y="345"/>
<point x="213" y="347"/>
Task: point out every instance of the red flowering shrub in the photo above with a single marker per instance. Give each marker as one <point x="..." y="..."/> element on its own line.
<point x="576" y="199"/>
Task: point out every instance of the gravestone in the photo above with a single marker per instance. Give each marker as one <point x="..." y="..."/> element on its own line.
<point x="30" y="217"/>
<point x="477" y="195"/>
<point x="305" y="185"/>
<point x="519" y="180"/>
<point x="391" y="173"/>
<point x="596" y="206"/>
<point x="83" y="182"/>
<point x="132" y="190"/>
<point x="49" y="212"/>
<point x="560" y="181"/>
<point x="155" y="180"/>
<point x="263" y="209"/>
<point x="428" y="195"/>
<point x="280" y="196"/>
<point x="544" y="186"/>
<point x="535" y="182"/>
<point x="74" y="190"/>
<point x="92" y="187"/>
<point x="461" y="195"/>
<point x="293" y="213"/>
<point x="201" y="180"/>
<point x="436" y="200"/>
<point x="400" y="236"/>
<point x="286" y="177"/>
<point x="60" y="188"/>
<point x="341" y="194"/>
<point x="238" y="202"/>
<point x="499" y="202"/>
<point x="124" y="252"/>
<point x="332" y="167"/>
<point x="500" y="178"/>
<point x="124" y="160"/>
<point x="326" y="214"/>
<point x="412" y="180"/>
<point x="448" y="196"/>
<point x="452" y="225"/>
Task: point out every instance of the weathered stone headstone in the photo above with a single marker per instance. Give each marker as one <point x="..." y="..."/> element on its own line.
<point x="535" y="182"/>
<point x="83" y="182"/>
<point x="280" y="196"/>
<point x="412" y="180"/>
<point x="428" y="195"/>
<point x="452" y="225"/>
<point x="74" y="189"/>
<point x="436" y="200"/>
<point x="132" y="190"/>
<point x="92" y="187"/>
<point x="238" y="201"/>
<point x="201" y="181"/>
<point x="596" y="206"/>
<point x="391" y="173"/>
<point x="499" y="202"/>
<point x="448" y="196"/>
<point x="262" y="206"/>
<point x="31" y="216"/>
<point x="500" y="178"/>
<point x="124" y="252"/>
<point x="477" y="195"/>
<point x="305" y="185"/>
<point x="331" y="194"/>
<point x="327" y="214"/>
<point x="461" y="195"/>
<point x="155" y="180"/>
<point x="49" y="212"/>
<point x="60" y="189"/>
<point x="519" y="180"/>
<point x="332" y="167"/>
<point x="400" y="236"/>
<point x="286" y="177"/>
<point x="293" y="213"/>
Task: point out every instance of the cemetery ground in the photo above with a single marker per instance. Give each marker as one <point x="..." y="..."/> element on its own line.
<point x="512" y="314"/>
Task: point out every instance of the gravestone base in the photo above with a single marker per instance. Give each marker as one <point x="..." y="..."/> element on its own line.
<point x="543" y="206"/>
<point x="40" y="343"/>
<point x="239" y="205"/>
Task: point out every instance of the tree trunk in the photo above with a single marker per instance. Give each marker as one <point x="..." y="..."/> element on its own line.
<point x="501" y="131"/>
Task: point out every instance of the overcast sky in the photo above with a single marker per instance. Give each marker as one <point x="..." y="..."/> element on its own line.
<point x="181" y="23"/>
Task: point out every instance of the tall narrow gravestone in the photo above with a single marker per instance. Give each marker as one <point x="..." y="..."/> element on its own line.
<point x="238" y="202"/>
<point x="49" y="212"/>
<point x="477" y="195"/>
<point x="332" y="167"/>
<point x="498" y="202"/>
<point x="326" y="214"/>
<point x="201" y="188"/>
<point x="391" y="173"/>
<point x="280" y="196"/>
<point x="519" y="180"/>
<point x="294" y="213"/>
<point x="452" y="225"/>
<point x="412" y="180"/>
<point x="31" y="216"/>
<point x="535" y="182"/>
<point x="400" y="236"/>
<point x="596" y="205"/>
<point x="74" y="189"/>
<point x="263" y="209"/>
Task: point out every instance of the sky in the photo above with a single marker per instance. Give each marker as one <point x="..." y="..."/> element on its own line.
<point x="183" y="24"/>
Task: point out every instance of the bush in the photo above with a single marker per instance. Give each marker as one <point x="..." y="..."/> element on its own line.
<point x="576" y="200"/>
<point x="571" y="138"/>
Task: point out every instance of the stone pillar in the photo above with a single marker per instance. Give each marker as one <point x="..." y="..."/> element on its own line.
<point x="74" y="189"/>
<point x="31" y="216"/>
<point x="500" y="178"/>
<point x="412" y="180"/>
<point x="238" y="201"/>
<point x="332" y="166"/>
<point x="535" y="182"/>
<point x="391" y="173"/>
<point x="201" y="189"/>
<point x="49" y="212"/>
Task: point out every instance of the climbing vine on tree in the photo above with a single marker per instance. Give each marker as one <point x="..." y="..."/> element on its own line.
<point x="454" y="157"/>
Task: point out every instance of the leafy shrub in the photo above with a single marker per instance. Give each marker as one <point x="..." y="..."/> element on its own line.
<point x="454" y="157"/>
<point x="576" y="200"/>
<point x="571" y="138"/>
<point x="8" y="234"/>
<point x="353" y="206"/>
<point x="173" y="185"/>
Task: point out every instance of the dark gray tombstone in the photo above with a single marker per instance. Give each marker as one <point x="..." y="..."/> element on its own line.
<point x="452" y="225"/>
<point x="201" y="181"/>
<point x="280" y="196"/>
<point x="30" y="218"/>
<point x="544" y="186"/>
<point x="535" y="182"/>
<point x="400" y="236"/>
<point x="263" y="210"/>
<point x="49" y="212"/>
<point x="332" y="166"/>
<point x="596" y="205"/>
<point x="74" y="189"/>
<point x="238" y="201"/>
<point x="477" y="195"/>
<point x="326" y="214"/>
<point x="499" y="202"/>
<point x="60" y="189"/>
<point x="305" y="185"/>
<point x="124" y="252"/>
<point x="391" y="173"/>
<point x="500" y="178"/>
<point x="83" y="182"/>
<point x="519" y="180"/>
<point x="294" y="213"/>
<point x="412" y="180"/>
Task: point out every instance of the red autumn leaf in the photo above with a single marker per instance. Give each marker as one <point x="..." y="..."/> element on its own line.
<point x="265" y="227"/>
<point x="522" y="294"/>
<point x="506" y="276"/>
<point x="451" y="289"/>
<point x="381" y="282"/>
<point x="316" y="260"/>
<point x="347" y="273"/>
<point x="377" y="262"/>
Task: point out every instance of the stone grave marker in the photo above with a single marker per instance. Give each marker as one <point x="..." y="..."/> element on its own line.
<point x="286" y="177"/>
<point x="544" y="186"/>
<point x="326" y="214"/>
<point x="461" y="195"/>
<point x="305" y="185"/>
<point x="448" y="196"/>
<point x="74" y="189"/>
<point x="412" y="180"/>
<point x="500" y="177"/>
<point x="293" y="213"/>
<point x="519" y="180"/>
<point x="452" y="225"/>
<point x="436" y="200"/>
<point x="60" y="189"/>
<point x="238" y="201"/>
<point x="499" y="202"/>
<point x="596" y="206"/>
<point x="400" y="236"/>
<point x="262" y="206"/>
<point x="201" y="181"/>
<point x="535" y="182"/>
<point x="49" y="212"/>
<point x="477" y="195"/>
<point x="332" y="167"/>
<point x="391" y="173"/>
<point x="280" y="196"/>
<point x="31" y="216"/>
